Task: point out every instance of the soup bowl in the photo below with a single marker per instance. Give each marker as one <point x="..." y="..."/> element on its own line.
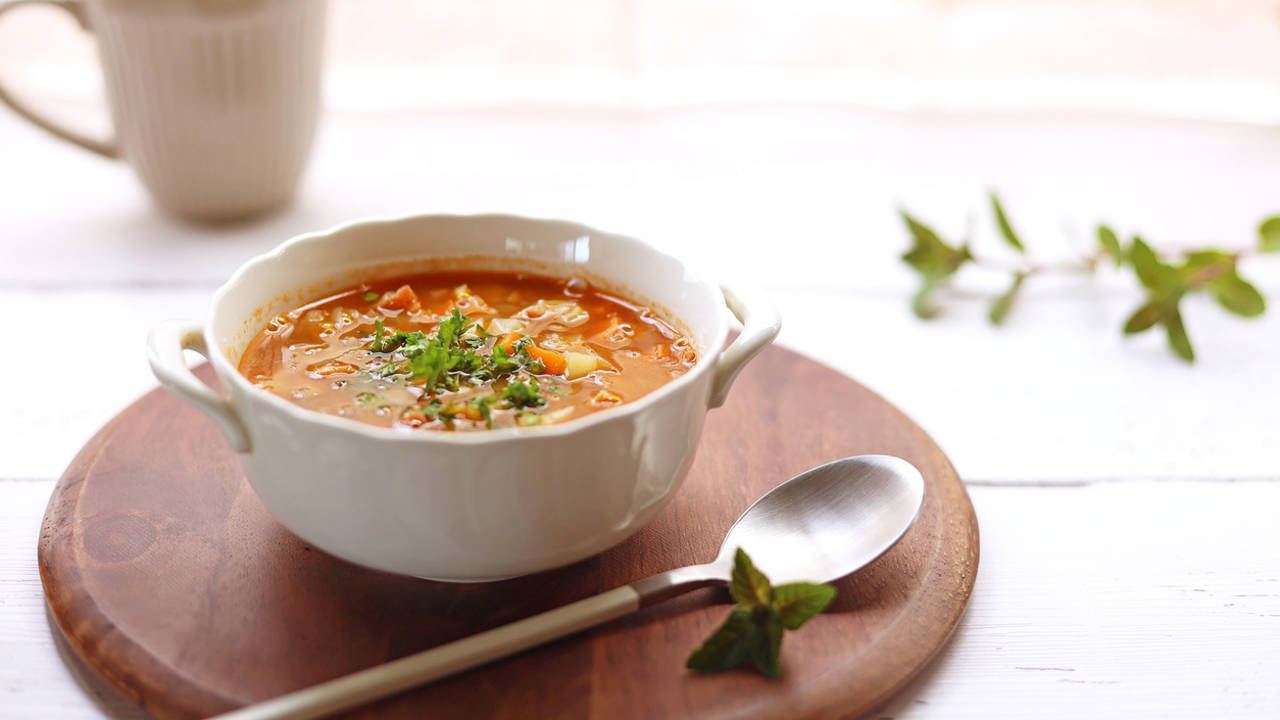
<point x="456" y="506"/>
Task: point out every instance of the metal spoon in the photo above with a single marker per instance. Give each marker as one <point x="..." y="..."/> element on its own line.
<point x="818" y="526"/>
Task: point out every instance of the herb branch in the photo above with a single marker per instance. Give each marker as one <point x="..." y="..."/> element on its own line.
<point x="753" y="631"/>
<point x="1165" y="278"/>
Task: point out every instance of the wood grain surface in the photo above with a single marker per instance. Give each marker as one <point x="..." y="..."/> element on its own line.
<point x="171" y="582"/>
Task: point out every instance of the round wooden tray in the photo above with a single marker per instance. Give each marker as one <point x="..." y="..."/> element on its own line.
<point x="172" y="583"/>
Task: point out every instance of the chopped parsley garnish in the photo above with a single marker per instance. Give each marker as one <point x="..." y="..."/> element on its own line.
<point x="447" y="360"/>
<point x="523" y="395"/>
<point x="435" y="410"/>
<point x="371" y="296"/>
<point x="482" y="404"/>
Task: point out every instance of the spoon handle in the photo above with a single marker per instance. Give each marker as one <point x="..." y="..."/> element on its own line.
<point x="438" y="662"/>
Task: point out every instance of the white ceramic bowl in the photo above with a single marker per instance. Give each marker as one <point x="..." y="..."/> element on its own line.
<point x="462" y="506"/>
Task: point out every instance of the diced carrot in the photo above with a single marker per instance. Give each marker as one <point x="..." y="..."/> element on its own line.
<point x="404" y="298"/>
<point x="508" y="341"/>
<point x="552" y="361"/>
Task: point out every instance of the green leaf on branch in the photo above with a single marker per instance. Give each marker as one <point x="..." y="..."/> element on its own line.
<point x="1269" y="235"/>
<point x="934" y="260"/>
<point x="797" y="602"/>
<point x="731" y="645"/>
<point x="1003" y="304"/>
<point x="1143" y="319"/>
<point x="1110" y="244"/>
<point x="1237" y="295"/>
<point x="753" y="631"/>
<point x="1002" y="220"/>
<point x="1145" y="264"/>
<point x="750" y="588"/>
<point x="1171" y="317"/>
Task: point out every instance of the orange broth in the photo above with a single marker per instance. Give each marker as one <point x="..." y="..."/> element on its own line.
<point x="466" y="351"/>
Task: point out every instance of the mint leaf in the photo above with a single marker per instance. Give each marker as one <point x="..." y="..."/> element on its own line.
<point x="1237" y="295"/>
<point x="933" y="259"/>
<point x="729" y="646"/>
<point x="767" y="646"/>
<point x="1269" y="235"/>
<point x="1110" y="244"/>
<point x="1177" y="333"/>
<point x="1145" y="264"/>
<point x="1002" y="220"/>
<point x="753" y="631"/>
<point x="750" y="588"/>
<point x="1003" y="304"/>
<point x="1144" y="318"/>
<point x="797" y="602"/>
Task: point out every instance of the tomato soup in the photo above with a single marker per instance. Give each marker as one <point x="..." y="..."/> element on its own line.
<point x="467" y="351"/>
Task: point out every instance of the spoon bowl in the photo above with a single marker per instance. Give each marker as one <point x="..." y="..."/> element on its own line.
<point x="830" y="521"/>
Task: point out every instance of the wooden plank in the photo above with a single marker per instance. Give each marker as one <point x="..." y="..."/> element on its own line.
<point x="1117" y="600"/>
<point x="1126" y="599"/>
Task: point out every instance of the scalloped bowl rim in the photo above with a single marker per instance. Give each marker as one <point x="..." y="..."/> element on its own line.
<point x="707" y="357"/>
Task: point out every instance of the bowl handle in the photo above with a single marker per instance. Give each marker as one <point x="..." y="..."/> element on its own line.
<point x="760" y="325"/>
<point x="165" y="344"/>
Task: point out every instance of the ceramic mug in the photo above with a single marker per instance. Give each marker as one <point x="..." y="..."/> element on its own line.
<point x="214" y="102"/>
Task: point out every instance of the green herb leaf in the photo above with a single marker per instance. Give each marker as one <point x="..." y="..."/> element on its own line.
<point x="797" y="602"/>
<point x="933" y="259"/>
<point x="379" y="329"/>
<point x="452" y="328"/>
<point x="1269" y="235"/>
<point x="750" y="587"/>
<point x="1177" y="332"/>
<point x="731" y="645"/>
<point x="482" y="404"/>
<point x="1237" y="295"/>
<point x="767" y="649"/>
<point x="1145" y="264"/>
<point x="753" y="631"/>
<point x="920" y="302"/>
<point x="1144" y="318"/>
<point x="1002" y="220"/>
<point x="371" y="296"/>
<point x="1003" y="304"/>
<point x="523" y="395"/>
<point x="1110" y="244"/>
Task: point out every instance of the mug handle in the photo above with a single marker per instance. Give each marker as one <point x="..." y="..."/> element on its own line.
<point x="165" y="344"/>
<point x="107" y="148"/>
<point x="760" y="325"/>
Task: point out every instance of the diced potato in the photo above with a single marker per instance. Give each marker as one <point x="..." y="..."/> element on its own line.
<point x="579" y="364"/>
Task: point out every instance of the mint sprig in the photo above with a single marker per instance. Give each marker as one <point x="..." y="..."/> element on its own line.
<point x="753" y="631"/>
<point x="1165" y="278"/>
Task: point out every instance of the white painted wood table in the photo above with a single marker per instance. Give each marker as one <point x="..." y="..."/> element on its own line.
<point x="1128" y="503"/>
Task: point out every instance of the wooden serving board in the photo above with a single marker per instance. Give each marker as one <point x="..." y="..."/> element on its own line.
<point x="171" y="582"/>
